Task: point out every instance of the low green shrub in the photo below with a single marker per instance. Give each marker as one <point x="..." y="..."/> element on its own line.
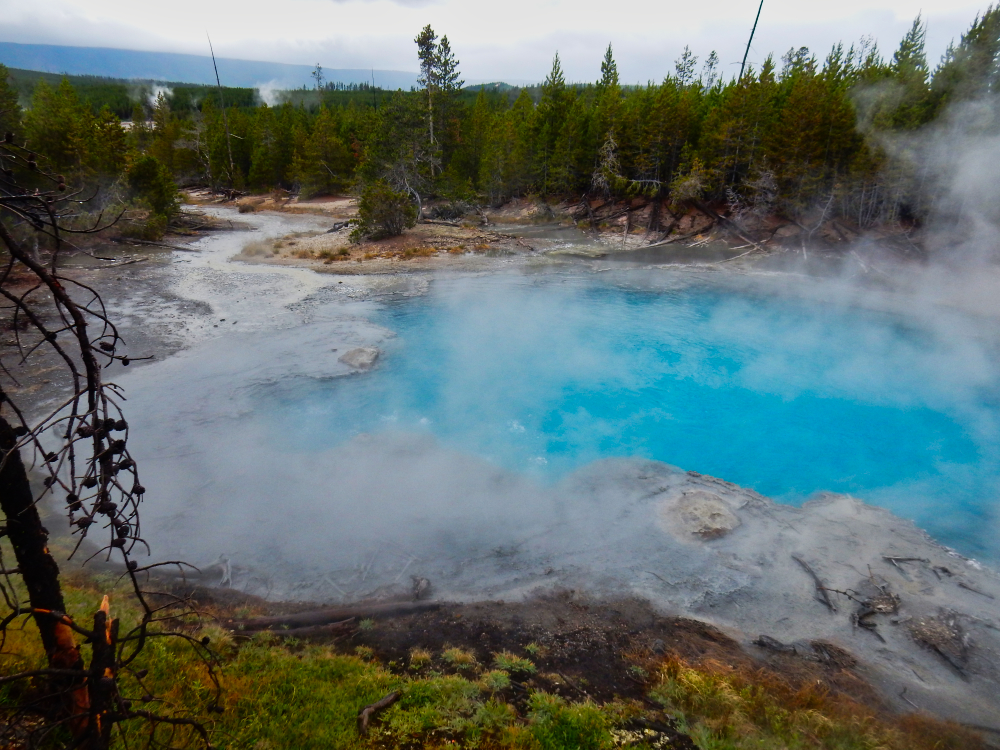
<point x="509" y="662"/>
<point x="383" y="212"/>
<point x="148" y="228"/>
<point x="152" y="186"/>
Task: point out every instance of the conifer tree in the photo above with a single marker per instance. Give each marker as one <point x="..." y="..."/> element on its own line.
<point x="606" y="106"/>
<point x="446" y="69"/>
<point x="166" y="131"/>
<point x="325" y="165"/>
<point x="427" y="53"/>
<point x="684" y="67"/>
<point x="550" y="117"/>
<point x="522" y="167"/>
<point x="139" y="134"/>
<point x="609" y="71"/>
<point x="109" y="145"/>
<point x="909" y="71"/>
<point x="569" y="171"/>
<point x="797" y="62"/>
<point x="58" y="125"/>
<point x="797" y="141"/>
<point x="671" y="123"/>
<point x="397" y="152"/>
<point x="261" y="175"/>
<point x="730" y="142"/>
<point x="10" y="109"/>
<point x="710" y="71"/>
<point x="476" y="132"/>
<point x="909" y="63"/>
<point x="449" y="87"/>
<point x="970" y="69"/>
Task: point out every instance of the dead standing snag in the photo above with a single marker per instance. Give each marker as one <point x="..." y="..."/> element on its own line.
<point x="80" y="450"/>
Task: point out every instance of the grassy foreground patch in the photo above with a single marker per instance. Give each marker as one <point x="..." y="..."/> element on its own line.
<point x="294" y="695"/>
<point x="729" y="708"/>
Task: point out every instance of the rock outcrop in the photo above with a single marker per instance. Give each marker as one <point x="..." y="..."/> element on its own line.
<point x="699" y="514"/>
<point x="362" y="358"/>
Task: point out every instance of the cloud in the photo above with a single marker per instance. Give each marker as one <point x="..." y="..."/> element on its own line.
<point x="516" y="42"/>
<point x="410" y="3"/>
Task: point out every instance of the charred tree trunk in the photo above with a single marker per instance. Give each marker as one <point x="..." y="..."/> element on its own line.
<point x="101" y="683"/>
<point x="40" y="574"/>
<point x="654" y="218"/>
<point x="87" y="701"/>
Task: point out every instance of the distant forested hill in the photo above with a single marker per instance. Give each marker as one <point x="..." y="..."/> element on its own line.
<point x="170" y="66"/>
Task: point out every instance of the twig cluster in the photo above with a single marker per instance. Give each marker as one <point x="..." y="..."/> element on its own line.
<point x="80" y="449"/>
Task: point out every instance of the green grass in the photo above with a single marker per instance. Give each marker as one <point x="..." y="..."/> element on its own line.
<point x="732" y="708"/>
<point x="509" y="662"/>
<point x="495" y="680"/>
<point x="278" y="694"/>
<point x="282" y="695"/>
<point x="557" y="724"/>
<point x="459" y="658"/>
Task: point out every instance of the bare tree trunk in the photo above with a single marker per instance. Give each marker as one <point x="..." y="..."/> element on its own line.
<point x="654" y="218"/>
<point x="225" y="118"/>
<point x="101" y="682"/>
<point x="430" y="112"/>
<point x="40" y="573"/>
<point x="416" y="195"/>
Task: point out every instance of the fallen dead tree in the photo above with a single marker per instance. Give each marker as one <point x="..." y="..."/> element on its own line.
<point x="440" y="222"/>
<point x="726" y="223"/>
<point x="677" y="238"/>
<point x="821" y="589"/>
<point x="287" y="623"/>
<point x="332" y="630"/>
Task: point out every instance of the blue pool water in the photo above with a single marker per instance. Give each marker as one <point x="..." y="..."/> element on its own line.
<point x="786" y="396"/>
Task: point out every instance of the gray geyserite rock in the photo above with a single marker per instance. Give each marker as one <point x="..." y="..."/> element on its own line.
<point x="362" y="358"/>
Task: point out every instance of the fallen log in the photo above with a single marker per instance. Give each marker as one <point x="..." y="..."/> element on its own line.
<point x="440" y="222"/>
<point x="821" y="590"/>
<point x="132" y="241"/>
<point x="572" y="684"/>
<point x="371" y="711"/>
<point x="678" y="238"/>
<point x="332" y="615"/>
<point x="316" y="631"/>
<point x="967" y="587"/>
<point x="621" y="212"/>
<point x="773" y="644"/>
<point x="725" y="223"/>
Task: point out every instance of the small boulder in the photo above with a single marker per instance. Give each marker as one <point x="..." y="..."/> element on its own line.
<point x="700" y="514"/>
<point x="362" y="358"/>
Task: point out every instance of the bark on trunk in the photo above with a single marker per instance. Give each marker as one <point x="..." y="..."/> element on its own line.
<point x="430" y="112"/>
<point x="39" y="572"/>
<point x="101" y="683"/>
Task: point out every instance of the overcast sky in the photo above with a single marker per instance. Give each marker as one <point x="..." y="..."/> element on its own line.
<point x="512" y="40"/>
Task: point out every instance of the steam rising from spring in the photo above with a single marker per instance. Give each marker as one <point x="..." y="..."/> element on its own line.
<point x="157" y="91"/>
<point x="270" y="93"/>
